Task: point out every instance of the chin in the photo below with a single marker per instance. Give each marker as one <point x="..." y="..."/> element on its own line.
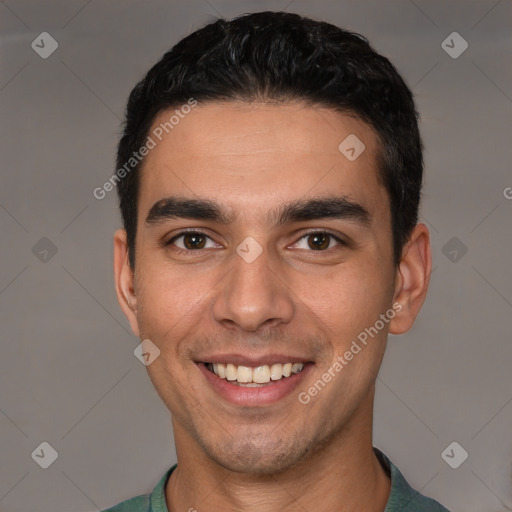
<point x="268" y="457"/>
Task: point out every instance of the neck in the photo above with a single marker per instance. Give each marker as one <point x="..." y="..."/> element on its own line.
<point x="343" y="475"/>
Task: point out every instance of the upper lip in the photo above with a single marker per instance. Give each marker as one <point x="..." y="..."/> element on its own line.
<point x="252" y="361"/>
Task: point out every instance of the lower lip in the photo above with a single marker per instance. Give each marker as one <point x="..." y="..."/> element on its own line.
<point x="255" y="396"/>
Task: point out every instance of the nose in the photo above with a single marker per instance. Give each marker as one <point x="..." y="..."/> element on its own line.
<point x="253" y="295"/>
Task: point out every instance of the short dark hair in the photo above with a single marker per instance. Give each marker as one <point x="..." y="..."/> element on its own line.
<point x="278" y="56"/>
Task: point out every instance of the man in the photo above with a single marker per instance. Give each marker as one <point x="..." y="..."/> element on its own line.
<point x="269" y="178"/>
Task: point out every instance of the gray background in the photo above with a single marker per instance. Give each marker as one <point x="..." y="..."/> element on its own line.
<point x="68" y="375"/>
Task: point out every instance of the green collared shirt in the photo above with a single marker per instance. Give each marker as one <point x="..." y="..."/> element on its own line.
<point x="402" y="498"/>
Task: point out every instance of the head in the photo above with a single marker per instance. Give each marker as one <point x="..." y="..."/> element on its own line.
<point x="294" y="248"/>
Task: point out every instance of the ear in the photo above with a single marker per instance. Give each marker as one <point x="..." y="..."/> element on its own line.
<point x="124" y="277"/>
<point x="412" y="279"/>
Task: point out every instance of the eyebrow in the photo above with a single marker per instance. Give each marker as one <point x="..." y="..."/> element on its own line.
<point x="333" y="207"/>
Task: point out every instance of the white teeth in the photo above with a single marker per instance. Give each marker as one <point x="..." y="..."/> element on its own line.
<point x="253" y="377"/>
<point x="244" y="374"/>
<point x="276" y="371"/>
<point x="230" y="371"/>
<point x="261" y="374"/>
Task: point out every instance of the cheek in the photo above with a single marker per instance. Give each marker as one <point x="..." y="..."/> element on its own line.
<point x="166" y="300"/>
<point x="348" y="299"/>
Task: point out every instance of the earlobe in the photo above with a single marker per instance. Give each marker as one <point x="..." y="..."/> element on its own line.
<point x="124" y="280"/>
<point x="412" y="280"/>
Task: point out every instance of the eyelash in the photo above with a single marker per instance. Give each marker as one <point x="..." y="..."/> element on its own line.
<point x="196" y="232"/>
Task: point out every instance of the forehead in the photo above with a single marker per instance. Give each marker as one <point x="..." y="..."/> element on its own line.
<point x="248" y="156"/>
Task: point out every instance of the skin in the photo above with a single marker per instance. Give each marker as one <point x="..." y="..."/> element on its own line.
<point x="293" y="299"/>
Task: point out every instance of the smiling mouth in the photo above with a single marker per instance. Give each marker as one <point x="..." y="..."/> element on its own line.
<point x="247" y="376"/>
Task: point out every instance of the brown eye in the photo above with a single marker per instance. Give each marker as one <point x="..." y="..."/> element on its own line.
<point x="194" y="241"/>
<point x="191" y="241"/>
<point x="318" y="241"/>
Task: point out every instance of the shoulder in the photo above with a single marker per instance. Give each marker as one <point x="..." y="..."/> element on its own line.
<point x="136" y="504"/>
<point x="153" y="502"/>
<point x="402" y="496"/>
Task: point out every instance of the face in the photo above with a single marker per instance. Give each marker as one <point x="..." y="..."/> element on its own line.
<point x="260" y="244"/>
